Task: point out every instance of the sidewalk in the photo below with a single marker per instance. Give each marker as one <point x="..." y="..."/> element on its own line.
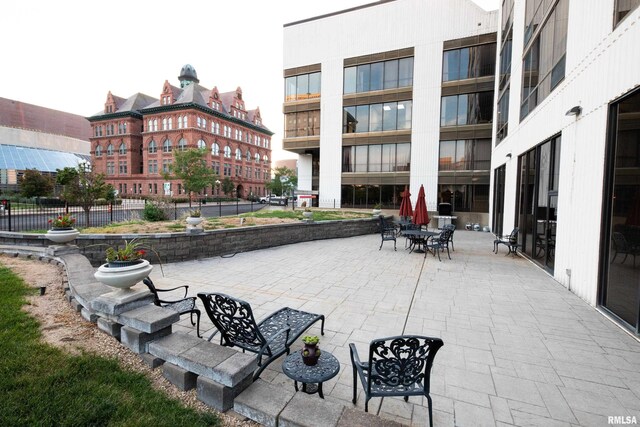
<point x="519" y="348"/>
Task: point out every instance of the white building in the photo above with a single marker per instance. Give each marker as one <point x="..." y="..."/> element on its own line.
<point x="563" y="124"/>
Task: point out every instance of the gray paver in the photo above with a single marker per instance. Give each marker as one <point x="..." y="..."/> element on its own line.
<point x="310" y="411"/>
<point x="262" y="402"/>
<point x="519" y="349"/>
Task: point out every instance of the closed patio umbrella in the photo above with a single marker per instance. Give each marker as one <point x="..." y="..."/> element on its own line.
<point x="420" y="215"/>
<point x="405" y="204"/>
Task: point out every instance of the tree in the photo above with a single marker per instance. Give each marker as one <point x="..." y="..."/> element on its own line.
<point x="190" y="166"/>
<point x="35" y="184"/>
<point x="284" y="182"/>
<point x="227" y="186"/>
<point x="82" y="187"/>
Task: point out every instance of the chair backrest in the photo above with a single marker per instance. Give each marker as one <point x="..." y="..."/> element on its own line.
<point x="513" y="237"/>
<point x="619" y="241"/>
<point x="152" y="288"/>
<point x="445" y="235"/>
<point x="384" y="225"/>
<point x="401" y="361"/>
<point x="451" y="227"/>
<point x="234" y="319"/>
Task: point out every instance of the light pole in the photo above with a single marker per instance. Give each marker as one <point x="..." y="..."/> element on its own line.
<point x="219" y="199"/>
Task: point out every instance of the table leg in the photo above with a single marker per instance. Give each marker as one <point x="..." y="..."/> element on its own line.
<point x="295" y="384"/>
<point x="320" y="391"/>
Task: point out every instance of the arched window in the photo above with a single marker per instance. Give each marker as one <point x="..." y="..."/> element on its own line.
<point x="238" y="154"/>
<point x="149" y="125"/>
<point x="265" y="159"/>
<point x="215" y="149"/>
<point x="248" y="155"/>
<point x="182" y="144"/>
<point x="204" y="123"/>
<point x="202" y="144"/>
<point x="110" y="149"/>
<point x="199" y="121"/>
<point x="257" y="158"/>
<point x="122" y="149"/>
<point x="166" y="146"/>
<point x="153" y="147"/>
<point x="98" y="151"/>
<point x="227" y="152"/>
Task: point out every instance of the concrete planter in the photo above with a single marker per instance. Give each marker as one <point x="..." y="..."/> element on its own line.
<point x="194" y="220"/>
<point x="63" y="235"/>
<point x="123" y="278"/>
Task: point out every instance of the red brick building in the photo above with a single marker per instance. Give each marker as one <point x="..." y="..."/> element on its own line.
<point x="134" y="138"/>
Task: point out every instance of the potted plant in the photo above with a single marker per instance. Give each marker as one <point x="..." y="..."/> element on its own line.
<point x="194" y="218"/>
<point x="377" y="209"/>
<point x="62" y="230"/>
<point x="310" y="352"/>
<point x="125" y="265"/>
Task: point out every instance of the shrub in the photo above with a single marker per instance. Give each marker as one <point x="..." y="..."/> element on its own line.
<point x="153" y="212"/>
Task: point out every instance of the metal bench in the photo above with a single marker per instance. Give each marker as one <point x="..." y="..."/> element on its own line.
<point x="271" y="338"/>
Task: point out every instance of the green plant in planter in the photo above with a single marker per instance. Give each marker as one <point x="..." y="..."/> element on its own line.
<point x="311" y="339"/>
<point x="132" y="250"/>
<point x="377" y="206"/>
<point x="195" y="213"/>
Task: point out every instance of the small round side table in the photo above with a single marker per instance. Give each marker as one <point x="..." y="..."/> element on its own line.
<point x="326" y="368"/>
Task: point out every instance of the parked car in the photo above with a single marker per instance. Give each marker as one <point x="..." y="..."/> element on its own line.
<point x="264" y="199"/>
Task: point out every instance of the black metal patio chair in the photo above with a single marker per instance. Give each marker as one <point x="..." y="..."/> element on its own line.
<point x="623" y="247"/>
<point x="397" y="366"/>
<point x="387" y="232"/>
<point x="271" y="338"/>
<point x="438" y="243"/>
<point x="182" y="306"/>
<point x="510" y="241"/>
<point x="451" y="227"/>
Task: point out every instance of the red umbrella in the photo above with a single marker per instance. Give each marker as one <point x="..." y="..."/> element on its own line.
<point x="420" y="215"/>
<point x="405" y="204"/>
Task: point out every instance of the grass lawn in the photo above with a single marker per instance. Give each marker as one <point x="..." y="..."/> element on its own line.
<point x="41" y="385"/>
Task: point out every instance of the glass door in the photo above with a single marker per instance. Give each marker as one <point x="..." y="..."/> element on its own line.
<point x="498" y="200"/>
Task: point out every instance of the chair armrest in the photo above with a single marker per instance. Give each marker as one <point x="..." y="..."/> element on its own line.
<point x="193" y="301"/>
<point x="272" y="338"/>
<point x="186" y="289"/>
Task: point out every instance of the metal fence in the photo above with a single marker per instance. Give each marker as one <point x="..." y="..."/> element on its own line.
<point x="30" y="215"/>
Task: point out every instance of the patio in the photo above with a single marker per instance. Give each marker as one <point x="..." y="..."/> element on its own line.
<point x="519" y="348"/>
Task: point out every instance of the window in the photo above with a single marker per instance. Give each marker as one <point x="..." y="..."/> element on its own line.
<point x="227" y="152"/>
<point x="304" y="86"/>
<point x="216" y="167"/>
<point x="623" y="8"/>
<point x="256" y="158"/>
<point x="378" y="75"/>
<point x="180" y="122"/>
<point x="377" y="117"/>
<point x="305" y="123"/>
<point x="166" y="165"/>
<point x="543" y="63"/>
<point x="165" y="124"/>
<point x="215" y="149"/>
<point x="110" y="149"/>
<point x="153" y="147"/>
<point x="166" y="146"/>
<point x="98" y="151"/>
<point x="227" y="169"/>
<point x="215" y="128"/>
<point x="471" y="154"/>
<point x="153" y="166"/>
<point x="248" y="156"/>
<point x="201" y="144"/>
<point x="170" y="123"/>
<point x="466" y="109"/>
<point x="377" y="158"/>
<point x="122" y="149"/>
<point x="238" y="171"/>
<point x="111" y="168"/>
<point x="469" y="62"/>
<point x="238" y="154"/>
<point x="265" y="159"/>
<point x="122" y="167"/>
<point x="182" y="144"/>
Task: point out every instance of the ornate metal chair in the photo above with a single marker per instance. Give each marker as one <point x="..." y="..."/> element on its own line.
<point x="510" y="241"/>
<point x="182" y="306"/>
<point x="622" y="246"/>
<point x="438" y="243"/>
<point x="387" y="232"/>
<point x="451" y="227"/>
<point x="397" y="366"/>
<point x="271" y="338"/>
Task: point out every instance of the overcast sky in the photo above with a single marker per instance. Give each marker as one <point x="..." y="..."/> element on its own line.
<point x="67" y="55"/>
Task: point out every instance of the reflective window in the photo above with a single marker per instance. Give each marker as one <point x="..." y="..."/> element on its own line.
<point x="98" y="151"/>
<point x="306" y="123"/>
<point x="202" y="145"/>
<point x="215" y="149"/>
<point x="238" y="154"/>
<point x="153" y="147"/>
<point x="122" y="149"/>
<point x="379" y="75"/>
<point x="469" y="62"/>
<point x="167" y="146"/>
<point x="227" y="152"/>
<point x="376" y="158"/>
<point x="377" y="117"/>
<point x="470" y="154"/>
<point x="466" y="109"/>
<point x="303" y="86"/>
<point x="110" y="149"/>
<point x="182" y="144"/>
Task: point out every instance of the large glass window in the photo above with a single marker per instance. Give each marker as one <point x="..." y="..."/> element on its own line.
<point x="379" y="75"/>
<point x="466" y="109"/>
<point x="543" y="63"/>
<point x="623" y="8"/>
<point x="366" y="196"/>
<point x="377" y="117"/>
<point x="303" y="86"/>
<point x="469" y="62"/>
<point x="470" y="154"/>
<point x="376" y="158"/>
<point x="306" y="123"/>
<point x="465" y="197"/>
<point x="620" y="269"/>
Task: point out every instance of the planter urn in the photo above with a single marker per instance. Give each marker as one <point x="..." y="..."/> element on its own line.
<point x="122" y="276"/>
<point x="62" y="235"/>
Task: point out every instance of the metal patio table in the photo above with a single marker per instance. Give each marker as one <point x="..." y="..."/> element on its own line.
<point x="413" y="234"/>
<point x="326" y="368"/>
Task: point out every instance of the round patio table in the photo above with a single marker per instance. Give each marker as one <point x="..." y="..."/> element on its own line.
<point x="326" y="368"/>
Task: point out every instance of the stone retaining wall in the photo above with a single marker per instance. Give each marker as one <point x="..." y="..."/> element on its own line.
<point x="177" y="247"/>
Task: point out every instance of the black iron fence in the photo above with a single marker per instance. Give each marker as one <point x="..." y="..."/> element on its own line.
<point x="32" y="215"/>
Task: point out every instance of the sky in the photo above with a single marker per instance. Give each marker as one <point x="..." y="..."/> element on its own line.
<point x="67" y="55"/>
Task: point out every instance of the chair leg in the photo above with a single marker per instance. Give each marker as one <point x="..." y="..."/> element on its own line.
<point x="381" y="245"/>
<point x="355" y="384"/>
<point x="448" y="254"/>
<point x="197" y="324"/>
<point x="394" y="244"/>
<point x="406" y="398"/>
<point x="430" y="411"/>
<point x="322" y="325"/>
